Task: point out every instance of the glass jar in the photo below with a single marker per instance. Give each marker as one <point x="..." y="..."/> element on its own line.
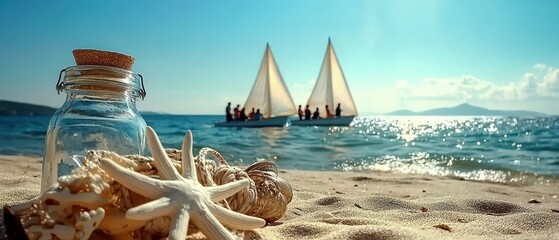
<point x="99" y="114"/>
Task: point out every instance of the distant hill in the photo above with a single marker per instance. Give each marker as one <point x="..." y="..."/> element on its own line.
<point x="8" y="108"/>
<point x="150" y="113"/>
<point x="465" y="110"/>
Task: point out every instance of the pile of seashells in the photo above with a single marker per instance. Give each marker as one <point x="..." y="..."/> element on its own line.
<point x="170" y="195"/>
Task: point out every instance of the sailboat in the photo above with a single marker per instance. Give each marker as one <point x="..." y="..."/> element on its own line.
<point x="330" y="89"/>
<point x="269" y="94"/>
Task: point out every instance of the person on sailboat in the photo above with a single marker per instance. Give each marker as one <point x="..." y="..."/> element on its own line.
<point x="251" y="115"/>
<point x="316" y="114"/>
<point x="257" y="115"/>
<point x="243" y="116"/>
<point x="339" y="110"/>
<point x="328" y="113"/>
<point x="300" y="113"/>
<point x="307" y="113"/>
<point x="228" y="116"/>
<point x="237" y="112"/>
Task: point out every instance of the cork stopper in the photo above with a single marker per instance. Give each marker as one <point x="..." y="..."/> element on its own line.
<point x="103" y="58"/>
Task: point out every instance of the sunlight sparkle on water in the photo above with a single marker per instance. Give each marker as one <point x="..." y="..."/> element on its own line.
<point x="420" y="163"/>
<point x="473" y="148"/>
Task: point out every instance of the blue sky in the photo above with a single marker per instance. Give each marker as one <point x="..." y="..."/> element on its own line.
<point x="198" y="55"/>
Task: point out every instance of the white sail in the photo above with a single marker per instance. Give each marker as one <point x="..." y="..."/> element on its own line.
<point x="269" y="93"/>
<point x="331" y="87"/>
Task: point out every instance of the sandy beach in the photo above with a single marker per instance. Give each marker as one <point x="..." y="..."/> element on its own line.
<point x="376" y="205"/>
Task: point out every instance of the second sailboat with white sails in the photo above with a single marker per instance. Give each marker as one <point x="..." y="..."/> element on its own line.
<point x="330" y="90"/>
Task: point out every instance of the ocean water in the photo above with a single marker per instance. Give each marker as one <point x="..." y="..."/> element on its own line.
<point x="475" y="148"/>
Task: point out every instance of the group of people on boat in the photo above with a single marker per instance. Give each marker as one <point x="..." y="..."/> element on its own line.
<point x="240" y="115"/>
<point x="306" y="114"/>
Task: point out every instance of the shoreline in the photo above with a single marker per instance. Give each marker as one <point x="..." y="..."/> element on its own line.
<point x="365" y="205"/>
<point x="508" y="177"/>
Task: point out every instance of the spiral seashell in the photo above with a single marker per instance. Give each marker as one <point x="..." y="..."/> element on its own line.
<point x="273" y="192"/>
<point x="264" y="166"/>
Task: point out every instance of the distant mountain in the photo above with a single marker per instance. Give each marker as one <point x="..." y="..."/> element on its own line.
<point x="24" y="109"/>
<point x="150" y="113"/>
<point x="465" y="110"/>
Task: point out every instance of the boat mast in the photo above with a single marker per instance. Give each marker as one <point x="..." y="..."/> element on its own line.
<point x="329" y="92"/>
<point x="268" y="90"/>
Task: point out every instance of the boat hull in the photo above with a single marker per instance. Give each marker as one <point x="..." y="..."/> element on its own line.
<point x="339" y="121"/>
<point x="271" y="122"/>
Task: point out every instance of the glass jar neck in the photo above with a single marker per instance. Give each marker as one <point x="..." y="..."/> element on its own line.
<point x="100" y="82"/>
<point x="79" y="93"/>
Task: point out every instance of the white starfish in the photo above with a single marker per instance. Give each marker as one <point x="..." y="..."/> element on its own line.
<point x="181" y="196"/>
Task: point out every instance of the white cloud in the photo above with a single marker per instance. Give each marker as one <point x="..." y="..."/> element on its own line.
<point x="528" y="86"/>
<point x="504" y="92"/>
<point x="540" y="66"/>
<point x="550" y="84"/>
<point x="541" y="84"/>
<point x="461" y="88"/>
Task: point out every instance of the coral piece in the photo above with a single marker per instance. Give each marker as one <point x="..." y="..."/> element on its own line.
<point x="72" y="208"/>
<point x="86" y="223"/>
